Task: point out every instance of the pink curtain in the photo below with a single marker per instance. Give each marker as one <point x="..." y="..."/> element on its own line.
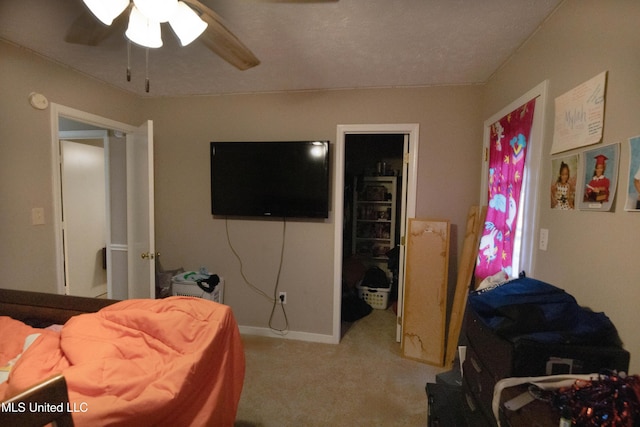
<point x="507" y="155"/>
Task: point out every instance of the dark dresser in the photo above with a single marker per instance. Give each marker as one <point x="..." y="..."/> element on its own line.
<point x="528" y="328"/>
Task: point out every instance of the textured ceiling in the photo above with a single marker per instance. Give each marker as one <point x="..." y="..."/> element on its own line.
<point x="301" y="46"/>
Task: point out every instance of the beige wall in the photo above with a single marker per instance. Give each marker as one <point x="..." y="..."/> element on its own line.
<point x="27" y="252"/>
<point x="186" y="234"/>
<point x="590" y="254"/>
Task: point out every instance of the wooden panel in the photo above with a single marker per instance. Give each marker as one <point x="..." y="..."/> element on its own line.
<point x="425" y="303"/>
<point x="466" y="267"/>
<point x="51" y="308"/>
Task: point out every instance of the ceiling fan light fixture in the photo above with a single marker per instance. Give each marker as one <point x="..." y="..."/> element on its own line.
<point x="106" y="11"/>
<point x="187" y="24"/>
<point x="143" y="31"/>
<point x="157" y="10"/>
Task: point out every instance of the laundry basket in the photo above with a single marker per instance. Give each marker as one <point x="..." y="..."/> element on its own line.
<point x="375" y="297"/>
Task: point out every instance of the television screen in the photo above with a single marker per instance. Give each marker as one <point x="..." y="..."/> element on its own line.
<point x="288" y="179"/>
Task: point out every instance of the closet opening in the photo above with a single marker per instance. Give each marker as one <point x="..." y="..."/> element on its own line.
<point x="373" y="213"/>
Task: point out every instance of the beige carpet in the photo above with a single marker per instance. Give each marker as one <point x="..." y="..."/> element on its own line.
<point x="363" y="381"/>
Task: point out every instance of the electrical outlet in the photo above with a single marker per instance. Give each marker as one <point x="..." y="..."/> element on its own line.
<point x="282" y="296"/>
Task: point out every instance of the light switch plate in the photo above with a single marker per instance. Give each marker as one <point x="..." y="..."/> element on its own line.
<point x="544" y="239"/>
<point x="37" y="216"/>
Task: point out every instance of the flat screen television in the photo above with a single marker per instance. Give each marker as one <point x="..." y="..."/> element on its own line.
<point x="285" y="179"/>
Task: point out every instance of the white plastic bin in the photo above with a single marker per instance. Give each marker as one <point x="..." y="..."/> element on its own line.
<point x="375" y="297"/>
<point x="191" y="289"/>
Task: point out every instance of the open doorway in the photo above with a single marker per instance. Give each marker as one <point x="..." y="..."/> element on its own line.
<point x="373" y="204"/>
<point x="93" y="208"/>
<point x="83" y="189"/>
<point x="402" y="168"/>
<point x="128" y="252"/>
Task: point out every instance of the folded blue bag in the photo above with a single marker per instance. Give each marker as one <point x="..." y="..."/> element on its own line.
<point x="527" y="308"/>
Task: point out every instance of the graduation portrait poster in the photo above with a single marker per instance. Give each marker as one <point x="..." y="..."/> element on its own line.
<point x="600" y="168"/>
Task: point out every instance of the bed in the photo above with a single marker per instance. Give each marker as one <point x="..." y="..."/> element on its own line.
<point x="172" y="361"/>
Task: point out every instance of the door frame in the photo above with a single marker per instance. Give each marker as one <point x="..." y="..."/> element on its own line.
<point x="410" y="129"/>
<point x="58" y="111"/>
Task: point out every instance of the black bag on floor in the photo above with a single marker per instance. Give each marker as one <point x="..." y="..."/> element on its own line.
<point x="375" y="277"/>
<point x="354" y="308"/>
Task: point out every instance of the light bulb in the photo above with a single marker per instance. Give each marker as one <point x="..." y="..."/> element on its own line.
<point x="106" y="10"/>
<point x="187" y="24"/>
<point x="157" y="10"/>
<point x="142" y="30"/>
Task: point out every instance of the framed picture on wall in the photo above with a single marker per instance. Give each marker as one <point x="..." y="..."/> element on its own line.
<point x="633" y="188"/>
<point x="564" y="176"/>
<point x="600" y="177"/>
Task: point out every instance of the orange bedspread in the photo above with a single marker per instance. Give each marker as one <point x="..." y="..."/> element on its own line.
<point x="177" y="361"/>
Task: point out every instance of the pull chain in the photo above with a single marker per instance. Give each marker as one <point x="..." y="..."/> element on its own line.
<point x="146" y="78"/>
<point x="128" y="61"/>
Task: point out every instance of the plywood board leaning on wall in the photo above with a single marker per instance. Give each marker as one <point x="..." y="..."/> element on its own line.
<point x="466" y="267"/>
<point x="425" y="300"/>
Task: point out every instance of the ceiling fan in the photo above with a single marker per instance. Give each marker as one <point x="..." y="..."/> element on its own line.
<point x="189" y="19"/>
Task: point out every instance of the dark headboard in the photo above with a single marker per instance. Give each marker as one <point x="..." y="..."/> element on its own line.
<point x="46" y="308"/>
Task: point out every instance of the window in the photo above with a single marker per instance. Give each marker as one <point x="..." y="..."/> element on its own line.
<point x="522" y="228"/>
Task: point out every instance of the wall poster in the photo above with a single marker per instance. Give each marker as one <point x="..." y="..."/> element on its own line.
<point x="600" y="167"/>
<point x="579" y="115"/>
<point x="633" y="190"/>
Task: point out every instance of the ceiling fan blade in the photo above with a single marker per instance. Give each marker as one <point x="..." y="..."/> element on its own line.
<point x="88" y="30"/>
<point x="218" y="38"/>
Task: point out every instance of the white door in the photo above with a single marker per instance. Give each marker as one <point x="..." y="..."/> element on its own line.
<point x="83" y="201"/>
<point x="140" y="215"/>
<point x="403" y="233"/>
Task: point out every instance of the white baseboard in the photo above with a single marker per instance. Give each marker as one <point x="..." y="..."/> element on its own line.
<point x="291" y="335"/>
